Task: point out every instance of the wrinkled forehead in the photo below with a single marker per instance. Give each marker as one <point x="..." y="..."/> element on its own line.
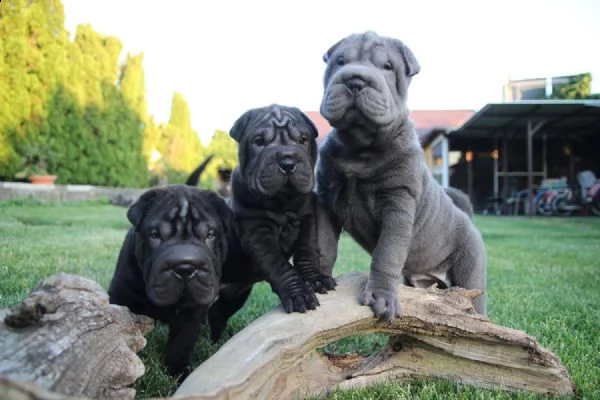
<point x="365" y="46"/>
<point x="277" y="118"/>
<point x="182" y="208"/>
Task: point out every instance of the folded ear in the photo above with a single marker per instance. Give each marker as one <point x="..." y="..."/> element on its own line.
<point x="139" y="209"/>
<point x="223" y="210"/>
<point x="226" y="216"/>
<point x="329" y="52"/>
<point x="411" y="65"/>
<point x="241" y="124"/>
<point x="313" y="129"/>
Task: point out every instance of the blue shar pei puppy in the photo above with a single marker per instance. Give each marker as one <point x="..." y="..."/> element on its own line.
<point x="373" y="182"/>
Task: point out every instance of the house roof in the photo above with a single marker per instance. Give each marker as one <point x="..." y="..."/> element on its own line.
<point x="558" y="118"/>
<point x="426" y="121"/>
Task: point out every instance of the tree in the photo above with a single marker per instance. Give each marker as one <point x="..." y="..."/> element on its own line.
<point x="97" y="61"/>
<point x="180" y="146"/>
<point x="151" y="145"/>
<point x="224" y="149"/>
<point x="578" y="87"/>
<point x="32" y="62"/>
<point x="133" y="89"/>
<point x="74" y="96"/>
<point x="133" y="85"/>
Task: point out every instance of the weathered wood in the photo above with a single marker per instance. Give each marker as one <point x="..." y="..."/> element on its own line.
<point x="440" y="336"/>
<point x="11" y="389"/>
<point x="71" y="341"/>
<point x="66" y="338"/>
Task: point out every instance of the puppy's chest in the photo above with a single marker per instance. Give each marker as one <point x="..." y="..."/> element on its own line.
<point x="355" y="203"/>
<point x="288" y="232"/>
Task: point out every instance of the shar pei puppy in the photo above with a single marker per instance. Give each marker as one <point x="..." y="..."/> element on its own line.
<point x="274" y="203"/>
<point x="373" y="182"/>
<point x="181" y="262"/>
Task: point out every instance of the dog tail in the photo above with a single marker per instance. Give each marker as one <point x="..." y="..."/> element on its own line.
<point x="460" y="200"/>
<point x="194" y="178"/>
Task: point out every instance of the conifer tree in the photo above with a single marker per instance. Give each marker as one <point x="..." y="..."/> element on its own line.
<point x="182" y="149"/>
<point x="33" y="44"/>
<point x="224" y="149"/>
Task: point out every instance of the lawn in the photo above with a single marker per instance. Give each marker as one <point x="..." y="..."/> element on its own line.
<point x="543" y="278"/>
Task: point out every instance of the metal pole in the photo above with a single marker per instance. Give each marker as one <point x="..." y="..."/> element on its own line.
<point x="506" y="184"/>
<point x="571" y="163"/>
<point x="470" y="175"/>
<point x="544" y="155"/>
<point x="496" y="191"/>
<point x="531" y="130"/>
<point x="530" y="134"/>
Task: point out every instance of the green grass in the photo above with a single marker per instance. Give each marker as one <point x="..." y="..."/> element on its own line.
<point x="543" y="278"/>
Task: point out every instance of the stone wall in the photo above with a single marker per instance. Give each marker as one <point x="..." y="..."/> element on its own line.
<point x="60" y="193"/>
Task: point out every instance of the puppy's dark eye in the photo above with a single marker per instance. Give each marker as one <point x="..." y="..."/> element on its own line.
<point x="303" y="140"/>
<point x="340" y="60"/>
<point x="388" y="66"/>
<point x="259" y="141"/>
<point x="211" y="234"/>
<point x="154" y="234"/>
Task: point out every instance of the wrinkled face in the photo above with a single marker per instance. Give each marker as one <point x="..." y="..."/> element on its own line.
<point x="277" y="150"/>
<point x="181" y="245"/>
<point x="366" y="82"/>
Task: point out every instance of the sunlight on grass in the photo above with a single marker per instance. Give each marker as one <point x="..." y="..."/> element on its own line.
<point x="543" y="278"/>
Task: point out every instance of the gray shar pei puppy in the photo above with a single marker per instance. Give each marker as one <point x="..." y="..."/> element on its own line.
<point x="274" y="203"/>
<point x="373" y="181"/>
<point x="181" y="262"/>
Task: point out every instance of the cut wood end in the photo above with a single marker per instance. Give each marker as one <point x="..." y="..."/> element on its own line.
<point x="86" y="346"/>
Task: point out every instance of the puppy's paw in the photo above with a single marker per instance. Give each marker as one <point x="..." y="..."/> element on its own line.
<point x="383" y="299"/>
<point x="178" y="370"/>
<point x="216" y="331"/>
<point x="298" y="298"/>
<point x="321" y="283"/>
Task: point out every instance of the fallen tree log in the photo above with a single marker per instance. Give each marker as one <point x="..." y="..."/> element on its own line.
<point x="440" y="336"/>
<point x="66" y="338"/>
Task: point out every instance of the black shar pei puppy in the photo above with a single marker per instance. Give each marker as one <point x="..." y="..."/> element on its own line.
<point x="273" y="202"/>
<point x="180" y="262"/>
<point x="373" y="181"/>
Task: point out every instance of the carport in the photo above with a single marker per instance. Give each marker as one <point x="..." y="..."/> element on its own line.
<point x="572" y="121"/>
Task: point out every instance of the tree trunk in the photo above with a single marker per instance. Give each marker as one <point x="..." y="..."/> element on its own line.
<point x="66" y="338"/>
<point x="440" y="336"/>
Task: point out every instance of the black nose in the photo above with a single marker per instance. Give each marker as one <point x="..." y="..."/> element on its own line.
<point x="185" y="270"/>
<point x="356" y="85"/>
<point x="287" y="165"/>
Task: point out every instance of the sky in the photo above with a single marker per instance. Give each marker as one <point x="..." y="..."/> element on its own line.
<point x="228" y="56"/>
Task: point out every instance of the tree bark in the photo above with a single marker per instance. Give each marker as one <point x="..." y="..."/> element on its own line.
<point x="66" y="338"/>
<point x="440" y="336"/>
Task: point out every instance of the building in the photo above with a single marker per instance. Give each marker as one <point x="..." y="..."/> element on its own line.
<point x="535" y="88"/>
<point x="430" y="126"/>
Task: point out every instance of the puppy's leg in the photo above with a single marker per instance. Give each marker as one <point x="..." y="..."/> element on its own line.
<point x="231" y="298"/>
<point x="306" y="257"/>
<point x="184" y="329"/>
<point x="468" y="268"/>
<point x="260" y="242"/>
<point x="398" y="209"/>
<point x="327" y="237"/>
